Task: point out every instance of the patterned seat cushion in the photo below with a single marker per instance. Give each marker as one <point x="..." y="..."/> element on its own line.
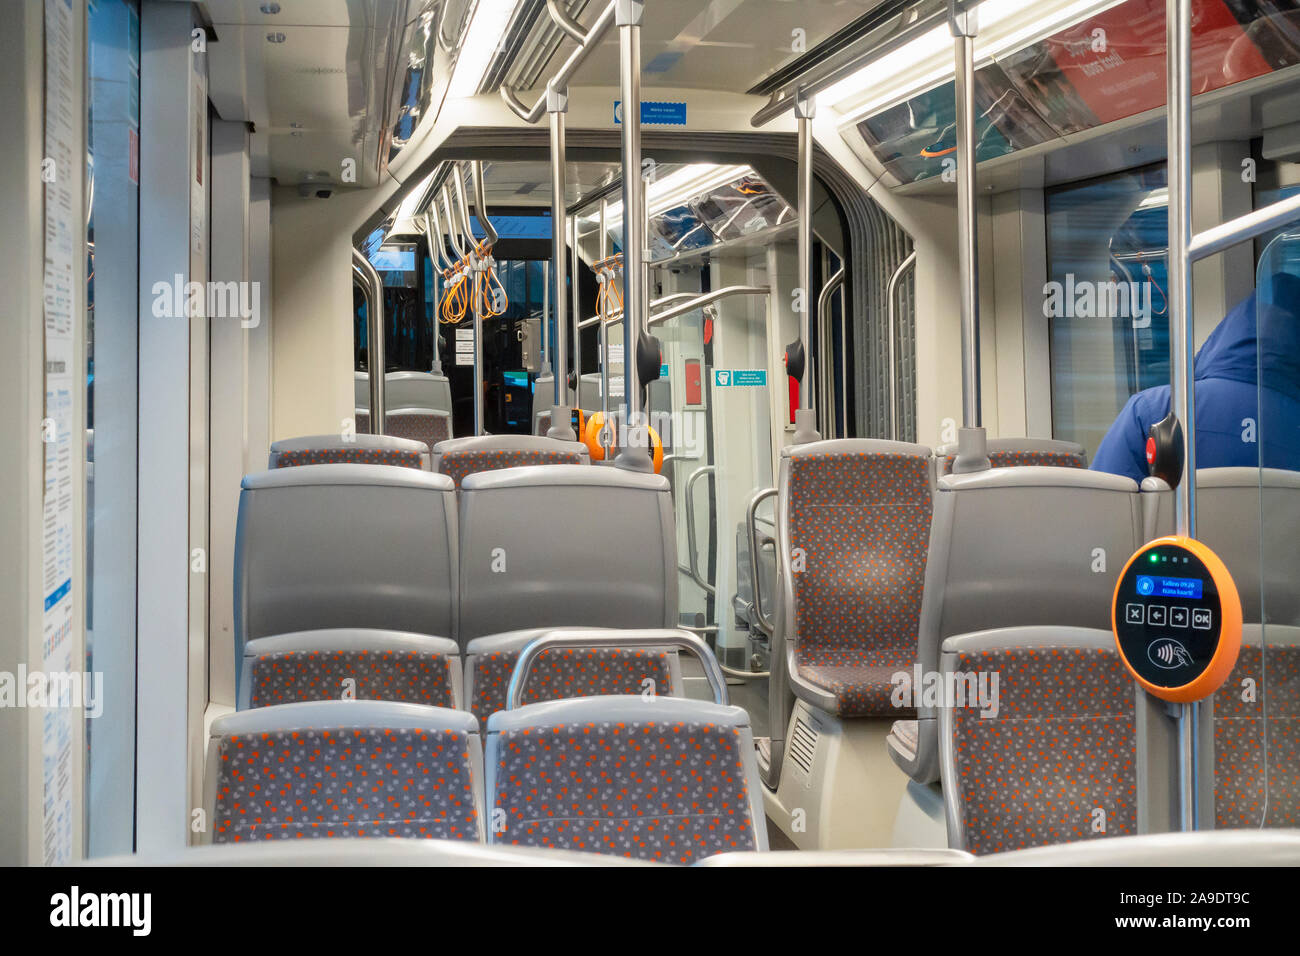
<point x="429" y="429"/>
<point x="347" y="782"/>
<point x="1058" y="762"/>
<point x="1254" y="786"/>
<point x="670" y="792"/>
<point x="346" y="456"/>
<point x="457" y="464"/>
<point x="862" y="523"/>
<point x="1011" y="459"/>
<point x="409" y="676"/>
<point x="569" y="672"/>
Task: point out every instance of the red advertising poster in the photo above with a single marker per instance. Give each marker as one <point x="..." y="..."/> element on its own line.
<point x="1113" y="65"/>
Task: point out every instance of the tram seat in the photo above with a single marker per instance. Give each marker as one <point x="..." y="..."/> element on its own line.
<point x="352" y="546"/>
<point x="565" y="546"/>
<point x="1249" y="516"/>
<point x="1009" y="452"/>
<point x="425" y="425"/>
<point x="381" y="665"/>
<point x="336" y="768"/>
<point x="1203" y="848"/>
<point x="464" y="456"/>
<point x="1016" y="546"/>
<point x="1051" y="755"/>
<point x="668" y="780"/>
<point x="360" y="449"/>
<point x="1257" y="782"/>
<point x="602" y="669"/>
<point x="856" y="520"/>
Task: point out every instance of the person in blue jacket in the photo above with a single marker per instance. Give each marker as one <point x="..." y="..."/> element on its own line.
<point x="1240" y="420"/>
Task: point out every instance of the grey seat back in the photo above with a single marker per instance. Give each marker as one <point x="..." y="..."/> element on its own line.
<point x="565" y="546"/>
<point x="668" y="780"/>
<point x="1249" y="517"/>
<point x="336" y="768"/>
<point x="358" y="449"/>
<point x="417" y="390"/>
<point x="1017" y="546"/>
<point x="406" y="390"/>
<point x="854" y="523"/>
<point x="1039" y="739"/>
<point x="351" y="664"/>
<point x="328" y="546"/>
<point x="1010" y="452"/>
<point x="464" y="456"/>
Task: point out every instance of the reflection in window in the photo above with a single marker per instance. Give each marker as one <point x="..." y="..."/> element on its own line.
<point x="1106" y="298"/>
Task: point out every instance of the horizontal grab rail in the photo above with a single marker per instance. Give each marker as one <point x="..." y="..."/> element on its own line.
<point x="562" y="640"/>
<point x="702" y="300"/>
<point x="590" y="41"/>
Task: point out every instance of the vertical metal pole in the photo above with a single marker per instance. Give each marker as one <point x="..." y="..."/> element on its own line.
<point x="605" y="278"/>
<point x="478" y="267"/>
<point x="576" y="308"/>
<point x="634" y="454"/>
<point x="964" y="26"/>
<point x="557" y="104"/>
<point x="1178" y="133"/>
<point x="374" y="292"/>
<point x="433" y="233"/>
<point x="805" y="417"/>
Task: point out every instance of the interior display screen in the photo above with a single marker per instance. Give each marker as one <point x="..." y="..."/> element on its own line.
<point x="1169" y="587"/>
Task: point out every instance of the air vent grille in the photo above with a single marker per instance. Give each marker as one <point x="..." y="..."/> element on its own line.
<point x="803" y="744"/>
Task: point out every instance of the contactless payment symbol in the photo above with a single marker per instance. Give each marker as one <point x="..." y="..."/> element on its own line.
<point x="1168" y="654"/>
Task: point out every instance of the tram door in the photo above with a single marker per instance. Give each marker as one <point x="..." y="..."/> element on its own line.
<point x="722" y="402"/>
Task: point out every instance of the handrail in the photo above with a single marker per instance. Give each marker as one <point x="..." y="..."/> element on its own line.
<point x="452" y="227"/>
<point x="903" y="266"/>
<point x="564" y="640"/>
<point x="480" y="205"/>
<point x="765" y="623"/>
<point x="433" y="231"/>
<point x="700" y="301"/>
<point x="566" y="22"/>
<point x="590" y="40"/>
<point x="1252" y="224"/>
<point x="691" y="540"/>
<point x="844" y="64"/>
<point x="373" y="289"/>
<point x="824" y="340"/>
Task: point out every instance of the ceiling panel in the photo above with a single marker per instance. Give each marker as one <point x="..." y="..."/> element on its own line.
<point x="716" y="45"/>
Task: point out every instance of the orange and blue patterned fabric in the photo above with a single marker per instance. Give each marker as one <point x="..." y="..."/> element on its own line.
<point x="1257" y="782"/>
<point x="457" y="464"/>
<point x="568" y="672"/>
<point x="409" y="676"/>
<point x="862" y="521"/>
<point x="348" y="782"/>
<point x="669" y="792"/>
<point x="429" y="429"/>
<point x="349" y="456"/>
<point x="1011" y="459"/>
<point x="1058" y="761"/>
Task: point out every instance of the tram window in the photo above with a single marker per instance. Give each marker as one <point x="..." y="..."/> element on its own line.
<point x="1106" y="298"/>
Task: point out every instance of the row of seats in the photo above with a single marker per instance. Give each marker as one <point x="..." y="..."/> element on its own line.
<point x="417" y="406"/>
<point x="883" y="567"/>
<point x="457" y="457"/>
<point x="374" y="664"/>
<point x="643" y="777"/>
<point x="323" y="547"/>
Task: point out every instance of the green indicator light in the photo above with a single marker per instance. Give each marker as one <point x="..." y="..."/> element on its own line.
<point x="1154" y="557"/>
